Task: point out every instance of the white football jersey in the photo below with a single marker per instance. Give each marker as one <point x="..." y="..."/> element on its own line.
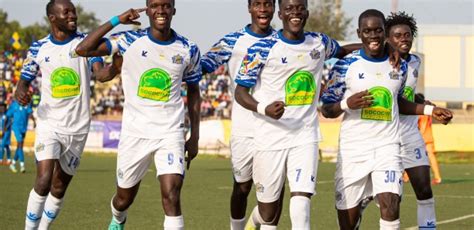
<point x="152" y="73"/>
<point x="65" y="84"/>
<point x="231" y="49"/>
<point x="364" y="130"/>
<point x="288" y="71"/>
<point x="409" y="123"/>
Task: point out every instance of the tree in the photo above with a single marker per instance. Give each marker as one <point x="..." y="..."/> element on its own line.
<point x="86" y="21"/>
<point x="327" y="17"/>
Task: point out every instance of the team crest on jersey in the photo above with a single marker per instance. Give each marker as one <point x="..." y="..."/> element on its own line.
<point x="177" y="59"/>
<point x="394" y="75"/>
<point x="315" y="54"/>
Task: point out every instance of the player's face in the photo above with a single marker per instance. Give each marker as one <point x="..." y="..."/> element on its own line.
<point x="293" y="14"/>
<point x="400" y="38"/>
<point x="372" y="34"/>
<point x="262" y="13"/>
<point x="64" y="16"/>
<point x="160" y="13"/>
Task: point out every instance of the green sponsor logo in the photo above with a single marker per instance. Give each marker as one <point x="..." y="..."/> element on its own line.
<point x="65" y="82"/>
<point x="155" y="84"/>
<point x="300" y="89"/>
<point x="381" y="109"/>
<point x="409" y="93"/>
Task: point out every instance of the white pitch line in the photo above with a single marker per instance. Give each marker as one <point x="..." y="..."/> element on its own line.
<point x="445" y="221"/>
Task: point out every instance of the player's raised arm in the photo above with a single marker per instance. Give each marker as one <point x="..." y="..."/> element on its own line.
<point x="94" y="45"/>
<point x="106" y="73"/>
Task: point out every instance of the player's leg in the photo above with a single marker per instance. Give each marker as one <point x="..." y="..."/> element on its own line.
<point x="133" y="160"/>
<point x="302" y="167"/>
<point x="353" y="187"/>
<point x="241" y="157"/>
<point x="47" y="151"/>
<point x="21" y="156"/>
<point x="269" y="177"/>
<point x="65" y="168"/>
<point x="388" y="186"/>
<point x="169" y="162"/>
<point x="416" y="163"/>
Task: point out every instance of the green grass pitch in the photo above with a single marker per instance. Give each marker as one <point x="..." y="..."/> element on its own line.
<point x="205" y="198"/>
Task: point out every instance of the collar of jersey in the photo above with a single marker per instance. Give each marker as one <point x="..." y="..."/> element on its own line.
<point x="163" y="43"/>
<point x="56" y="42"/>
<point x="249" y="31"/>
<point x="364" y="56"/>
<point x="408" y="58"/>
<point x="288" y="41"/>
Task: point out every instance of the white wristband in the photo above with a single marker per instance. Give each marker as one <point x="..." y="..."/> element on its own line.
<point x="343" y="104"/>
<point x="261" y="108"/>
<point x="428" y="110"/>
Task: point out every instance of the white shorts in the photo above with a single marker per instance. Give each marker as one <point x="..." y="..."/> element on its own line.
<point x="355" y="181"/>
<point x="299" y="164"/>
<point x="135" y="155"/>
<point x="67" y="149"/>
<point x="242" y="150"/>
<point x="414" y="153"/>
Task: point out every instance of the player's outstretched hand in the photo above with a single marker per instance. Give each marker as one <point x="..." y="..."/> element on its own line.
<point x="360" y="100"/>
<point x="23" y="96"/>
<point x="191" y="149"/>
<point x="129" y="16"/>
<point x="275" y="110"/>
<point x="442" y="115"/>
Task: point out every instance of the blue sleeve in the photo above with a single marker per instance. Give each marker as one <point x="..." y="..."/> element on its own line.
<point x="336" y="85"/>
<point x="30" y="66"/>
<point x="119" y="42"/>
<point x="193" y="73"/>
<point x="404" y="73"/>
<point x="331" y="46"/>
<point x="11" y="110"/>
<point x="220" y="53"/>
<point x="253" y="62"/>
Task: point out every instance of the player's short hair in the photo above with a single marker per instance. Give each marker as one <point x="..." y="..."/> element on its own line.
<point x="50" y="6"/>
<point x="371" y="13"/>
<point x="401" y="18"/>
<point x="279" y="2"/>
<point x="250" y="1"/>
<point x="146" y="2"/>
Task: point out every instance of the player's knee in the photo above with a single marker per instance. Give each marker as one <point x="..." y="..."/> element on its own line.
<point x="171" y="196"/>
<point x="243" y="189"/>
<point x="268" y="213"/>
<point x="122" y="202"/>
<point x="43" y="185"/>
<point x="424" y="193"/>
<point x="389" y="206"/>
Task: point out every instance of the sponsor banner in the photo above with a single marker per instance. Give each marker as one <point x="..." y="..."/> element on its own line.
<point x="111" y="134"/>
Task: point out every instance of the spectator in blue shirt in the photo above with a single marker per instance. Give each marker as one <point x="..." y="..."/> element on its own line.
<point x="20" y="115"/>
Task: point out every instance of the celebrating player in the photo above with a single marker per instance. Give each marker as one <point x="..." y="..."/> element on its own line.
<point x="156" y="61"/>
<point x="401" y="29"/>
<point x="63" y="113"/>
<point x="368" y="90"/>
<point x="231" y="50"/>
<point x="285" y="72"/>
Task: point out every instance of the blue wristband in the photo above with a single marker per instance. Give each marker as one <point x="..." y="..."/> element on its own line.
<point x="114" y="21"/>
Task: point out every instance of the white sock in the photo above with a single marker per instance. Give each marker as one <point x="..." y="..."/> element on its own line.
<point x="426" y="213"/>
<point x="299" y="212"/>
<point x="255" y="217"/>
<point x="34" y="210"/>
<point x="52" y="206"/>
<point x="119" y="216"/>
<point x="22" y="164"/>
<point x="237" y="224"/>
<point x="174" y="223"/>
<point x="13" y="162"/>
<point x="267" y="227"/>
<point x="389" y="225"/>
